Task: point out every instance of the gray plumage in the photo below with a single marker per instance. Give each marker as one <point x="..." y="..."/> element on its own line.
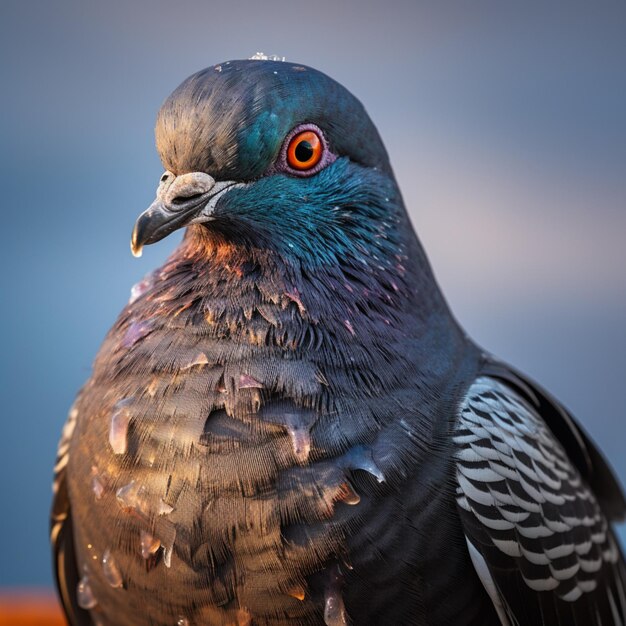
<point x="286" y="424"/>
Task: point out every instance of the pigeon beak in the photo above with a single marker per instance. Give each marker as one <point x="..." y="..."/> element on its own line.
<point x="180" y="200"/>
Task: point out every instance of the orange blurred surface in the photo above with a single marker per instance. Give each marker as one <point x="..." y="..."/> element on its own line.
<point x="30" y="607"/>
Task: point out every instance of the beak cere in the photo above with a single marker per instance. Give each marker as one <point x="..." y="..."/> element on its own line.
<point x="179" y="201"/>
<point x="180" y="188"/>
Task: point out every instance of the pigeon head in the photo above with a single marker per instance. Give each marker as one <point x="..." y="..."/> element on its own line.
<point x="276" y="156"/>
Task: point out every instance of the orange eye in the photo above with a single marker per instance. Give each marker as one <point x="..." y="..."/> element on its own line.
<point x="305" y="150"/>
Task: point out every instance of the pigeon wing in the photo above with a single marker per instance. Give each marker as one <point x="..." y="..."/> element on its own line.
<point x="536" y="534"/>
<point x="581" y="450"/>
<point x="61" y="533"/>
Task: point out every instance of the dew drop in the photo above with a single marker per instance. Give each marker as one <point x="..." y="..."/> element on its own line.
<point x="360" y="457"/>
<point x="84" y="594"/>
<point x="99" y="482"/>
<point x="182" y="621"/>
<point x="133" y="498"/>
<point x="164" y="508"/>
<point x="248" y="382"/>
<point x="348" y="495"/>
<point x="297" y="592"/>
<point x="111" y="570"/>
<point x="168" y="537"/>
<point x="118" y="431"/>
<point x="149" y="545"/>
<point x="334" y="609"/>
<point x="167" y="555"/>
<point x="97" y="487"/>
<point x="300" y="434"/>
<point x="344" y="556"/>
<point x="135" y="332"/>
<point x="140" y="288"/>
<point x="199" y="359"/>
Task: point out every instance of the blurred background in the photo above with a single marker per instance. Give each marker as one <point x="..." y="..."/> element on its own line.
<point x="506" y="127"/>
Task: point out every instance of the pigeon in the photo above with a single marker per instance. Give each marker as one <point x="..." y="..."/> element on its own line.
<point x="287" y="425"/>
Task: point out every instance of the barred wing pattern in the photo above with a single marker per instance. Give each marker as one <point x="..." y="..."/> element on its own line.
<point x="537" y="537"/>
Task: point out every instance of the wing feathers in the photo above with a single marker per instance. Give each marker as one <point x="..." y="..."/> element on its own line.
<point x="61" y="533"/>
<point x="581" y="450"/>
<point x="535" y="531"/>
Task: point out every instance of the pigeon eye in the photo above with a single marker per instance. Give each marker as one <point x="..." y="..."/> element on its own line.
<point x="305" y="150"/>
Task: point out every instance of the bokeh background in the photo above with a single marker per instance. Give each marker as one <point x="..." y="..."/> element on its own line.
<point x="505" y="123"/>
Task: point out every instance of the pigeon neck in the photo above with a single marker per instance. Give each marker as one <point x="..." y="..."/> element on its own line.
<point x="356" y="303"/>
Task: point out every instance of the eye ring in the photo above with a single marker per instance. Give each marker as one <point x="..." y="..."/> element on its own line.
<point x="305" y="150"/>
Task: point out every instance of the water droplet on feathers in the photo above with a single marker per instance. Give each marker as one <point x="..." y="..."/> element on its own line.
<point x="149" y="544"/>
<point x="361" y="457"/>
<point x="199" y="359"/>
<point x="164" y="508"/>
<point x="140" y="288"/>
<point x="111" y="570"/>
<point x="297" y="592"/>
<point x="248" y="382"/>
<point x="334" y="608"/>
<point x="135" y="332"/>
<point x="261" y="56"/>
<point x="348" y="495"/>
<point x="168" y="538"/>
<point x="344" y="556"/>
<point x="299" y="431"/>
<point x="97" y="487"/>
<point x="84" y="594"/>
<point x="167" y="555"/>
<point x="100" y="482"/>
<point x="133" y="498"/>
<point x="118" y="431"/>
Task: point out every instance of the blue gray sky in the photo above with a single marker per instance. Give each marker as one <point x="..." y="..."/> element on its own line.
<point x="506" y="128"/>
